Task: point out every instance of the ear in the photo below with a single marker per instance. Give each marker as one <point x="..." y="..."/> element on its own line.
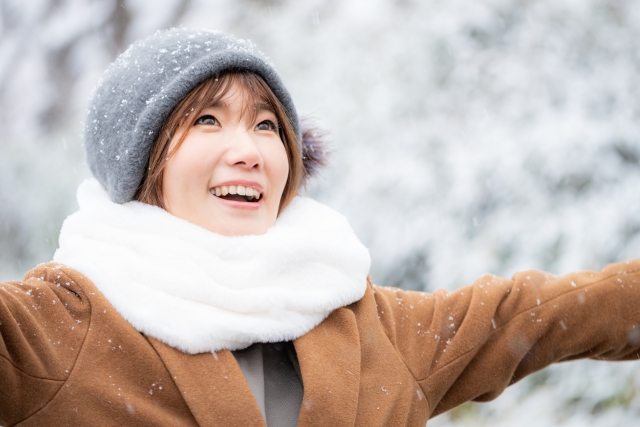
<point x="315" y="150"/>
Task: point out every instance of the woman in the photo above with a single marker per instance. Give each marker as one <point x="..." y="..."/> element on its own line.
<point x="194" y="288"/>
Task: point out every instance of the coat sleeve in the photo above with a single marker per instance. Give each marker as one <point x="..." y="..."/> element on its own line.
<point x="43" y="322"/>
<point x="472" y="343"/>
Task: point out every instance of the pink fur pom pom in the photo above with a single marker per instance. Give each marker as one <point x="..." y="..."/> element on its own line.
<point x="315" y="150"/>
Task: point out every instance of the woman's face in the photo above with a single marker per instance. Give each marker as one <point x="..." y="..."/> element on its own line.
<point x="229" y="173"/>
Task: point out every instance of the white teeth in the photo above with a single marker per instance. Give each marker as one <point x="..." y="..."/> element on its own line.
<point x="248" y="192"/>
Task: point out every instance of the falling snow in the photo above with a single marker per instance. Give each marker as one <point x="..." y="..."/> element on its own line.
<point x="469" y="137"/>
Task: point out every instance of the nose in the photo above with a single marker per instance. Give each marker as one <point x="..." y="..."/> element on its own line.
<point x="243" y="150"/>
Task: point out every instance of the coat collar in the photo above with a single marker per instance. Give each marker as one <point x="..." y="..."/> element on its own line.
<point x="214" y="388"/>
<point x="212" y="385"/>
<point x="329" y="357"/>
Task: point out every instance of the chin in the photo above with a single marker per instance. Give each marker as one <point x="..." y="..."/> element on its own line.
<point x="238" y="227"/>
<point x="242" y="232"/>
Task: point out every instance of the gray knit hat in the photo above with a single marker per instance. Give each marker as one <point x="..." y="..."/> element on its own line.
<point x="140" y="89"/>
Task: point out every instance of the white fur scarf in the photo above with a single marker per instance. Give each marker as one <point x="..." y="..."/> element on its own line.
<point x="199" y="291"/>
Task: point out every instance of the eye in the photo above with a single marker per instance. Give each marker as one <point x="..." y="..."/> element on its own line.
<point x="266" y="125"/>
<point x="207" y="119"/>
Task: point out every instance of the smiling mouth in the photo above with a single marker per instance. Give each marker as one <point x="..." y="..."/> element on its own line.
<point x="237" y="193"/>
<point x="237" y="198"/>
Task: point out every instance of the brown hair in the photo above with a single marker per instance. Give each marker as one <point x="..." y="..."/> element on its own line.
<point x="188" y="110"/>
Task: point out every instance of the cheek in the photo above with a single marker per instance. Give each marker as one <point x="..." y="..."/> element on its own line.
<point x="187" y="170"/>
<point x="188" y="163"/>
<point x="279" y="167"/>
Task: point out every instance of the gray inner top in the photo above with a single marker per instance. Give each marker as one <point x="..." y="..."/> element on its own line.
<point x="273" y="374"/>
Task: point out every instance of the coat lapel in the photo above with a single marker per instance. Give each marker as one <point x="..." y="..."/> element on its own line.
<point x="217" y="394"/>
<point x="329" y="357"/>
<point x="212" y="385"/>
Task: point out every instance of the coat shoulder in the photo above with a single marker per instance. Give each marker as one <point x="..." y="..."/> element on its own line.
<point x="67" y="284"/>
<point x="395" y="307"/>
<point x="44" y="321"/>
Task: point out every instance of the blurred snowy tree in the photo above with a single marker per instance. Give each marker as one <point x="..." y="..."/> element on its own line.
<point x="52" y="52"/>
<point x="471" y="137"/>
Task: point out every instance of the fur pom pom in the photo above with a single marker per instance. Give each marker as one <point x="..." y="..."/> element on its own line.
<point x="315" y="150"/>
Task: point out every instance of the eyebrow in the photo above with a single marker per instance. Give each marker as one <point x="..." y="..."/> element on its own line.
<point x="264" y="107"/>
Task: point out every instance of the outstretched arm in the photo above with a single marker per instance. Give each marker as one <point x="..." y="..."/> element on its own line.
<point x="472" y="343"/>
<point x="43" y="322"/>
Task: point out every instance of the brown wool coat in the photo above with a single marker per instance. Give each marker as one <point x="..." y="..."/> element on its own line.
<point x="394" y="358"/>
